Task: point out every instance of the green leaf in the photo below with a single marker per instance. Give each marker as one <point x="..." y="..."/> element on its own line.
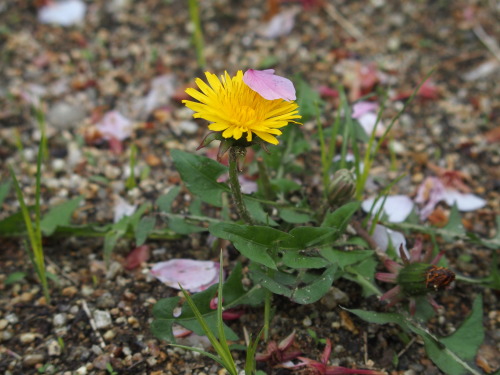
<point x="454" y="225"/>
<point x="200" y="173"/>
<point x="294" y="217"/>
<point x="4" y="190"/>
<point x="345" y="258"/>
<point x="165" y="201"/>
<point x="315" y="290"/>
<point x="304" y="237"/>
<point x="366" y="270"/>
<point x="233" y="295"/>
<point x="285" y="185"/>
<point x="308" y="100"/>
<point x="15" y="277"/>
<point x="60" y="215"/>
<point x="252" y="241"/>
<point x="143" y="230"/>
<point x="12" y="225"/>
<point x="297" y="259"/>
<point x="341" y="216"/>
<point x="467" y="339"/>
<point x="179" y="225"/>
<point x="257" y="212"/>
<point x="438" y="350"/>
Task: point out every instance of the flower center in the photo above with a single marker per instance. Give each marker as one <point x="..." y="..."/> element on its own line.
<point x="243" y="116"/>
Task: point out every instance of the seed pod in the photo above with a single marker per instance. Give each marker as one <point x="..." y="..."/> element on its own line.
<point x="418" y="279"/>
<point x="342" y="188"/>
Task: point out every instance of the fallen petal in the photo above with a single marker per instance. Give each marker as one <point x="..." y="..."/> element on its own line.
<point x="114" y="125"/>
<point x="64" y="13"/>
<point x="192" y="275"/>
<point x="122" y="209"/>
<point x="465" y="202"/>
<point x="268" y="85"/>
<point x="396" y="207"/>
<point x="280" y="25"/>
<point x="384" y="236"/>
<point x="136" y="257"/>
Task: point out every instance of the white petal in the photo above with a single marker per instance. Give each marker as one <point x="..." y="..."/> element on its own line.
<point x="383" y="236"/>
<point x="397" y="207"/>
<point x="64" y="13"/>
<point x="465" y="202"/>
<point x="122" y="209"/>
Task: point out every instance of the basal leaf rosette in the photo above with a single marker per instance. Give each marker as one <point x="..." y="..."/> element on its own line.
<point x="239" y="113"/>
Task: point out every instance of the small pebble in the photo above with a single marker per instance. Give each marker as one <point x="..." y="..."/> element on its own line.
<point x="87" y="290"/>
<point x="109" y="335"/>
<point x="114" y="269"/>
<point x="31" y="360"/>
<point x="59" y="320"/>
<point x="307" y="322"/>
<point x="102" y="319"/>
<point x="12" y="318"/>
<point x="69" y="291"/>
<point x="27" y="338"/>
<point x="82" y="370"/>
<point x="53" y="348"/>
<point x="3" y="323"/>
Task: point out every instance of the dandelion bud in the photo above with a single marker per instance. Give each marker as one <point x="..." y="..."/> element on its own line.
<point x="417" y="279"/>
<point x="342" y="188"/>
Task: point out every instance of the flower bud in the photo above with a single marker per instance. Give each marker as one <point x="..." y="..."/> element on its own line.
<point x="418" y="279"/>
<point x="342" y="188"/>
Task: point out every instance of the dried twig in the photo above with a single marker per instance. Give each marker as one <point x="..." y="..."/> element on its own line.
<point x="487" y="40"/>
<point x="342" y="21"/>
<point x="92" y="324"/>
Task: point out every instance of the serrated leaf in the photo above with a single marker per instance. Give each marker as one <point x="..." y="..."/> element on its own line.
<point x="252" y="241"/>
<point x="200" y="173"/>
<point x="164" y="202"/>
<point x="143" y="230"/>
<point x="59" y="215"/>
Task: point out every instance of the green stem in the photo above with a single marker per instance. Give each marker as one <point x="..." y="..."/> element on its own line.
<point x="194" y="14"/>
<point x="234" y="154"/>
<point x="267" y="313"/>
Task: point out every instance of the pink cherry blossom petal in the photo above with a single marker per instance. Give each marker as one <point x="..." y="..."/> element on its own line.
<point x="363" y="107"/>
<point x="114" y="125"/>
<point x="268" y="85"/>
<point x="193" y="275"/>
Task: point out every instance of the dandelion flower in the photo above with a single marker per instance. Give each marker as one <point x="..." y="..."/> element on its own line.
<point x="237" y="111"/>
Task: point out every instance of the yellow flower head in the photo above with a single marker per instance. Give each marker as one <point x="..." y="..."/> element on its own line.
<point x="234" y="108"/>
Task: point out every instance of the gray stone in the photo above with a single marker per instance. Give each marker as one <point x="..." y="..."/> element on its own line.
<point x="59" y="320"/>
<point x="102" y="319"/>
<point x="63" y="115"/>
